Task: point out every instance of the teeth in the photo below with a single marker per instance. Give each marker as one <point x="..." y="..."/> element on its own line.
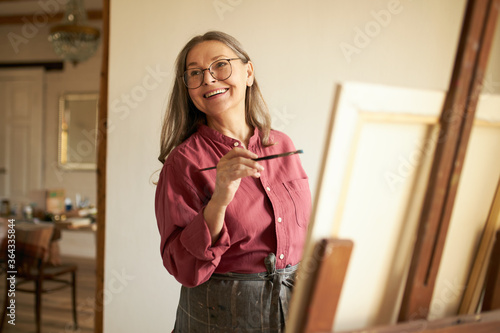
<point x="215" y="92"/>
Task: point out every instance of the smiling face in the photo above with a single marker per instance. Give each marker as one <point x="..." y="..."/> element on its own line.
<point x="219" y="98"/>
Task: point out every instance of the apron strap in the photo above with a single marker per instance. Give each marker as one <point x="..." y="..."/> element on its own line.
<point x="277" y="279"/>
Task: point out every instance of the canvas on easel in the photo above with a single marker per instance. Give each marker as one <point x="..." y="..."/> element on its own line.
<point x="376" y="162"/>
<point x="379" y="143"/>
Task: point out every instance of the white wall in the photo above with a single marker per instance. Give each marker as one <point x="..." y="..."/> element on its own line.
<point x="296" y="49"/>
<point x="80" y="79"/>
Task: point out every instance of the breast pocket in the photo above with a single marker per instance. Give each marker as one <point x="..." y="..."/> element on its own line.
<point x="300" y="195"/>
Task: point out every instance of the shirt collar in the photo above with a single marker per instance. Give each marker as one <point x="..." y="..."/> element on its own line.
<point x="214" y="135"/>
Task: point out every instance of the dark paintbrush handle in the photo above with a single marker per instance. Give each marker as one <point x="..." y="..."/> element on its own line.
<point x="270" y="157"/>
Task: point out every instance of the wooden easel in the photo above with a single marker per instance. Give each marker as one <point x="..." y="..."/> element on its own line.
<point x="329" y="267"/>
<point x="484" y="323"/>
<point x="332" y="259"/>
<point x="484" y="256"/>
<point x="456" y="124"/>
<point x="491" y="299"/>
<point x="465" y="87"/>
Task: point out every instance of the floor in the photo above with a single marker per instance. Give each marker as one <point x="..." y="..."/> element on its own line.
<point x="56" y="307"/>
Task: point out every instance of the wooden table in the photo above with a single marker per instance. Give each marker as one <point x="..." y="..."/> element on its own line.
<point x="54" y="253"/>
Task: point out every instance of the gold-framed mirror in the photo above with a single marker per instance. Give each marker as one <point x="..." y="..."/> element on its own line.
<point x="77" y="131"/>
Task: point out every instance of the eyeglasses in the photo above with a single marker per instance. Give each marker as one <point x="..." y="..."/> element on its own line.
<point x="220" y="70"/>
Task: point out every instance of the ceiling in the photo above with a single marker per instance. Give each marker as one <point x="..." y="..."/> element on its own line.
<point x="31" y="7"/>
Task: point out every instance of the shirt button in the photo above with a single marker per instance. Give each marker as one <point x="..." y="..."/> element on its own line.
<point x="282" y="256"/>
<point x="279" y="219"/>
<point x="236" y="144"/>
<point x="268" y="188"/>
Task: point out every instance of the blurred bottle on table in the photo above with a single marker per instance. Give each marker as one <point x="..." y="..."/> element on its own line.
<point x="5" y="208"/>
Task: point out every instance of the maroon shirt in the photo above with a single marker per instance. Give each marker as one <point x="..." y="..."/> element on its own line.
<point x="269" y="214"/>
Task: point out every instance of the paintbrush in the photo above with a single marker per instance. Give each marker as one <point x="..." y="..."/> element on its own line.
<point x="263" y="158"/>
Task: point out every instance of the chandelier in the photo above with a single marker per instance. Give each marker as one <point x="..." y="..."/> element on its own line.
<point x="74" y="40"/>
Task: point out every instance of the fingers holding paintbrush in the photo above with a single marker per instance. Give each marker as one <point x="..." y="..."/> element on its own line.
<point x="263" y="158"/>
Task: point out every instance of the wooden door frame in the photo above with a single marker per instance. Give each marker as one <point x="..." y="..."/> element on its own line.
<point x="101" y="172"/>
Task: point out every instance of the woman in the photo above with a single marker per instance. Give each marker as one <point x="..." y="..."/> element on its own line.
<point x="232" y="236"/>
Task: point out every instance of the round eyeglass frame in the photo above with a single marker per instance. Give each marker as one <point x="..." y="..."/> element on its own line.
<point x="209" y="70"/>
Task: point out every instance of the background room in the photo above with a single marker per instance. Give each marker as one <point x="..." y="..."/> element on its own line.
<point x="301" y="52"/>
<point x="42" y="101"/>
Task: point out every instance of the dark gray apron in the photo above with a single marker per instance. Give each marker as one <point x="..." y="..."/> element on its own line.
<point x="235" y="302"/>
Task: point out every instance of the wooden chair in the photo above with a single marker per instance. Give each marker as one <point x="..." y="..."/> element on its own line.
<point x="32" y="243"/>
<point x="3" y="234"/>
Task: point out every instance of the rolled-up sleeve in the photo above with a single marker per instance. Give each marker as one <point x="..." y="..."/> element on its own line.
<point x="186" y="246"/>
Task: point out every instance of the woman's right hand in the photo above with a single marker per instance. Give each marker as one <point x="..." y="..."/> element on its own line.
<point x="231" y="168"/>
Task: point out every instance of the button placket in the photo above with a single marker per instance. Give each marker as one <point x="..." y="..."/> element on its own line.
<point x="280" y="232"/>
